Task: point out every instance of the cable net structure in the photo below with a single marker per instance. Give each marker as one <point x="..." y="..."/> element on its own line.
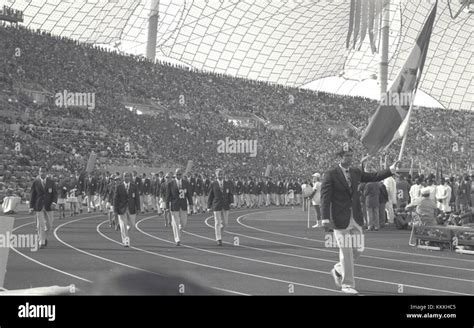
<point x="282" y="41"/>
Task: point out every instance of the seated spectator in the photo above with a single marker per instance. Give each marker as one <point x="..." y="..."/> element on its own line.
<point x="10" y="202"/>
<point x="425" y="208"/>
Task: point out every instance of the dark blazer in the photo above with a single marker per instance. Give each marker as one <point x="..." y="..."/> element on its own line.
<point x="162" y="192"/>
<point x="110" y="194"/>
<point x="337" y="199"/>
<point x="220" y="199"/>
<point x="147" y="187"/>
<point x="158" y="187"/>
<point x="176" y="198"/>
<point x="207" y="184"/>
<point x="81" y="183"/>
<point x="122" y="200"/>
<point x="90" y="186"/>
<point x="42" y="198"/>
<point x="138" y="182"/>
<point x="198" y="189"/>
<point x="192" y="186"/>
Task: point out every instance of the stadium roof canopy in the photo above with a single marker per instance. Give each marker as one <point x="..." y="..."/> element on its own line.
<point x="290" y="42"/>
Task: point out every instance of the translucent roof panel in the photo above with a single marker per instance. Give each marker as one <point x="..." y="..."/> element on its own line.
<point x="290" y="42"/>
<point x="91" y="21"/>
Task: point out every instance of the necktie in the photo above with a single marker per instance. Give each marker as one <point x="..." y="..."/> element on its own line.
<point x="127" y="187"/>
<point x="348" y="177"/>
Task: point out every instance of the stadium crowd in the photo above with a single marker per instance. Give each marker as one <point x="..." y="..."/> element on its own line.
<point x="196" y="117"/>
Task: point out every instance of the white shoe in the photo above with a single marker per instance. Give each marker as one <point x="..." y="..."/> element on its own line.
<point x="126" y="242"/>
<point x="337" y="278"/>
<point x="316" y="225"/>
<point x="349" y="290"/>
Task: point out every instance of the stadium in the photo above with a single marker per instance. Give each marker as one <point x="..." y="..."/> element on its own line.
<point x="236" y="147"/>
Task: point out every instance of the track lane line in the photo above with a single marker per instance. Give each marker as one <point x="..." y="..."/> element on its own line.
<point x="311" y="270"/>
<point x="365" y="256"/>
<point x="206" y="221"/>
<point x="290" y="266"/>
<point x="369" y="248"/>
<point x="109" y="260"/>
<point x="220" y="268"/>
<point x="44" y="264"/>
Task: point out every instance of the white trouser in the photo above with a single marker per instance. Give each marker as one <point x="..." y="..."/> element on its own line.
<point x="44" y="224"/>
<point x="390" y="212"/>
<point x="237" y="200"/>
<point x="126" y="222"/>
<point x="178" y="218"/>
<point x="220" y="216"/>
<point x="203" y="201"/>
<point x="197" y="206"/>
<point x="348" y="254"/>
<point x="268" y="199"/>
<point x="144" y="202"/>
<point x="159" y="204"/>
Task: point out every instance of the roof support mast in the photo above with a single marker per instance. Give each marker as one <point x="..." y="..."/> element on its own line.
<point x="152" y="29"/>
<point x="384" y="51"/>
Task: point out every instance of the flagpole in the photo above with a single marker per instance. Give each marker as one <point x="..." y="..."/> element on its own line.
<point x="404" y="141"/>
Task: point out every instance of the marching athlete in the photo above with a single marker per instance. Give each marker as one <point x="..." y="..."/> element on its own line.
<point x="177" y="192"/>
<point x="220" y="198"/>
<point x="126" y="206"/>
<point x="43" y="199"/>
<point x="162" y="192"/>
<point x="340" y="204"/>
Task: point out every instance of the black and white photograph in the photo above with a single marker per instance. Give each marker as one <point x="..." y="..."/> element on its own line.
<point x="237" y="148"/>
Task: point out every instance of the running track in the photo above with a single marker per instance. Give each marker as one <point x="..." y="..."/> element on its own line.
<point x="265" y="252"/>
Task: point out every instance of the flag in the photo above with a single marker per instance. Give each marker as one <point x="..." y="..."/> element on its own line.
<point x="189" y="167"/>
<point x="391" y="119"/>
<point x="91" y="162"/>
<point x="375" y="9"/>
<point x="268" y="171"/>
<point x="364" y="18"/>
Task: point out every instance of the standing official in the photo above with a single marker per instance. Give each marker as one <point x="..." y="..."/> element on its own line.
<point x="316" y="198"/>
<point x="340" y="204"/>
<point x="43" y="200"/>
<point x="391" y="186"/>
<point x="177" y="192"/>
<point x="220" y="198"/>
<point x="415" y="190"/>
<point x="443" y="196"/>
<point x="126" y="206"/>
